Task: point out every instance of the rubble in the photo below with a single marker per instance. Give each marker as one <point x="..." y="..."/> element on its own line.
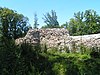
<point x="58" y="37"/>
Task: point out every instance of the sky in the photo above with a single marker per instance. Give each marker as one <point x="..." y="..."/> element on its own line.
<point x="65" y="9"/>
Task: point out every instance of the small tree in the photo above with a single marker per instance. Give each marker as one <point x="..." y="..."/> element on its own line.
<point x="35" y="21"/>
<point x="64" y="25"/>
<point x="51" y="20"/>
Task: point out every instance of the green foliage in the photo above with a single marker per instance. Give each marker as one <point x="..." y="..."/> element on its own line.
<point x="26" y="59"/>
<point x="51" y="20"/>
<point x="13" y="25"/>
<point x="7" y="57"/>
<point x="44" y="48"/>
<point x="59" y="68"/>
<point x="35" y="21"/>
<point x="95" y="54"/>
<point x="83" y="23"/>
<point x="64" y="25"/>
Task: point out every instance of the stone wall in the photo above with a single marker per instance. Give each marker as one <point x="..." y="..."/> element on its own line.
<point x="58" y="37"/>
<point x="87" y="40"/>
<point x="51" y="37"/>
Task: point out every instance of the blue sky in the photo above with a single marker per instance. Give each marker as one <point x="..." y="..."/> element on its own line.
<point x="64" y="8"/>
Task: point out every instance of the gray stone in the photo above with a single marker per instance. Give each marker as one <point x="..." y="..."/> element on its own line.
<point x="58" y="37"/>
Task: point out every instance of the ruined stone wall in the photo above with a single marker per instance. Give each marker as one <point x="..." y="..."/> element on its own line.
<point x="55" y="37"/>
<point x="58" y="37"/>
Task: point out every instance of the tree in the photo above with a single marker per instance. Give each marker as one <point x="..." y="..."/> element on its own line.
<point x="64" y="25"/>
<point x="83" y="23"/>
<point x="51" y="20"/>
<point x="13" y="25"/>
<point x="35" y="21"/>
<point x="72" y="26"/>
<point x="79" y="17"/>
<point x="91" y="21"/>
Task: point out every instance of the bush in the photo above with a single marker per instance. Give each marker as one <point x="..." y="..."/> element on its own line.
<point x="26" y="59"/>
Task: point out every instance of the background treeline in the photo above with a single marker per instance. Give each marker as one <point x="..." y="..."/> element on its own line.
<point x="25" y="59"/>
<point x="83" y="23"/>
<point x="16" y="25"/>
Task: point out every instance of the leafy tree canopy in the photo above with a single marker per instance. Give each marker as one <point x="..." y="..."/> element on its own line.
<point x="83" y="23"/>
<point x="51" y="20"/>
<point x="13" y="25"/>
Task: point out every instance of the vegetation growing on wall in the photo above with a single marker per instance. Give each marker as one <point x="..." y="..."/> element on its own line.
<point x="27" y="60"/>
